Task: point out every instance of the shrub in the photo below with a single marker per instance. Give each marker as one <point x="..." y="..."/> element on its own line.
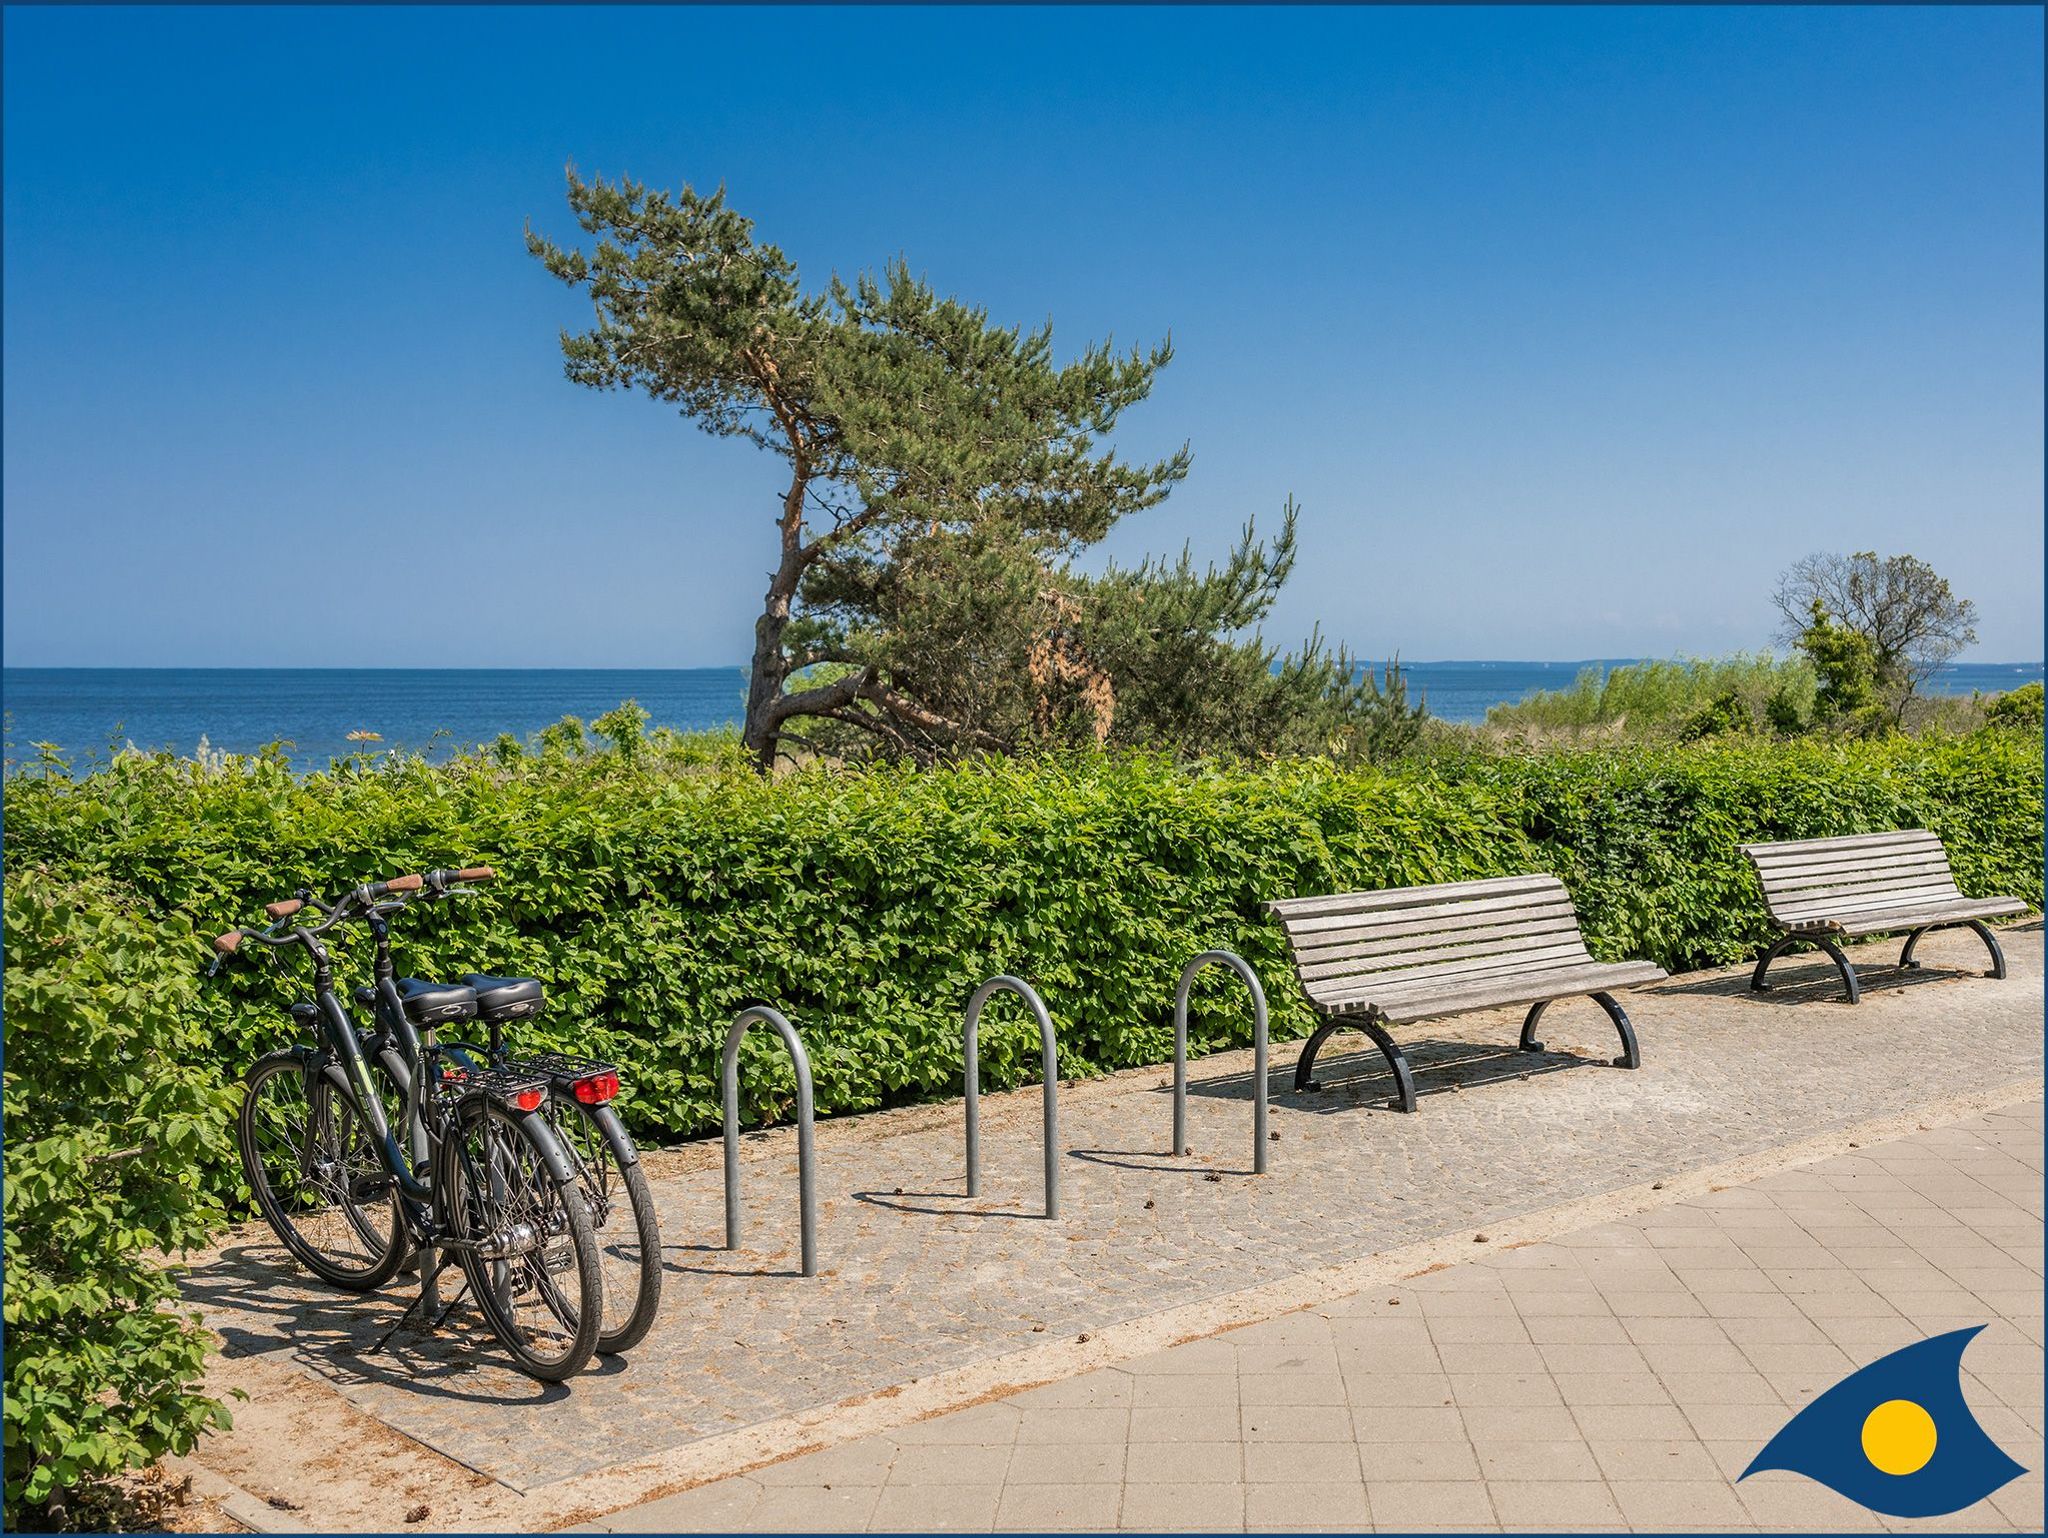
<point x="2017" y="709"/>
<point x="1663" y="699"/>
<point x="117" y="1114"/>
<point x="656" y="900"/>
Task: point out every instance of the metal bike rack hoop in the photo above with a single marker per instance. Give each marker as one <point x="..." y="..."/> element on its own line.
<point x="1049" y="1051"/>
<point x="806" y="1148"/>
<point x="1242" y="968"/>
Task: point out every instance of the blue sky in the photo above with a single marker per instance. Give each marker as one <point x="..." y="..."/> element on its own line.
<point x="1567" y="329"/>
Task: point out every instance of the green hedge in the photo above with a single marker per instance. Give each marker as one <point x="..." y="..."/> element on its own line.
<point x="117" y="1132"/>
<point x="655" y="898"/>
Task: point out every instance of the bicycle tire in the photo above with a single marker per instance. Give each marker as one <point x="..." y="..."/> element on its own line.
<point x="628" y="1233"/>
<point x="489" y="1179"/>
<point x="356" y="1188"/>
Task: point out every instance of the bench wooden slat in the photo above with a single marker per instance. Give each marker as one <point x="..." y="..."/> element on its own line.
<point x="1925" y="896"/>
<point x="1403" y="897"/>
<point x="1796" y="849"/>
<point x="1364" y="955"/>
<point x="1525" y="990"/>
<point x="1313" y="942"/>
<point x="1851" y="876"/>
<point x="1877" y="890"/>
<point x="1444" y="975"/>
<point x="1307" y="930"/>
<point x="1854" y="925"/>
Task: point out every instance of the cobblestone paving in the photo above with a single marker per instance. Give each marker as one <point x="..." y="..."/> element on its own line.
<point x="1618" y="1378"/>
<point x="916" y="1279"/>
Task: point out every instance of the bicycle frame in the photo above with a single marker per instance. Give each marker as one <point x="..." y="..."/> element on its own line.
<point x="339" y="1060"/>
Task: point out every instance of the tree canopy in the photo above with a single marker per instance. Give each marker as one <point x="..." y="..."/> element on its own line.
<point x="942" y="473"/>
<point x="1912" y="619"/>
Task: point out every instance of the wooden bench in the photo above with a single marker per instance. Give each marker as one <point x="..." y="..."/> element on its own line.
<point x="1822" y="889"/>
<point x="1368" y="960"/>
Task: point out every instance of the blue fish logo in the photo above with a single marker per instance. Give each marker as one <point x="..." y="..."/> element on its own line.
<point x="1896" y="1436"/>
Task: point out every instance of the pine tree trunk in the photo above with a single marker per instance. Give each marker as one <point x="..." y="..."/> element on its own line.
<point x="763" y="732"/>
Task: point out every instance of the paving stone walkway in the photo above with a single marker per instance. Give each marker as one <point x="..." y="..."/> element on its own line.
<point x="1618" y="1378"/>
<point x="918" y="1281"/>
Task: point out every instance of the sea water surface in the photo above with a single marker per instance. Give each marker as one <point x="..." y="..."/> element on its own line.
<point x="90" y="712"/>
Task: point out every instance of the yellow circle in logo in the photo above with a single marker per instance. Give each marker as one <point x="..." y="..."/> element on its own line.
<point x="1898" y="1436"/>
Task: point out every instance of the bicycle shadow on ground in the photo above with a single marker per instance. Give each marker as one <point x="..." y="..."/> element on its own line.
<point x="257" y="1300"/>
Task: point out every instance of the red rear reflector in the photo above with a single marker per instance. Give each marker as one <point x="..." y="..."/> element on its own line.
<point x="529" y="1099"/>
<point x="597" y="1089"/>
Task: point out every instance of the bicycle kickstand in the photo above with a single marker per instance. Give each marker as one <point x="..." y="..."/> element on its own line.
<point x="426" y="1301"/>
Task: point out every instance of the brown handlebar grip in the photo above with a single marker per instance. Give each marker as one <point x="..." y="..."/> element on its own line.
<point x="228" y="943"/>
<point x="285" y="909"/>
<point x="476" y="873"/>
<point x="405" y="883"/>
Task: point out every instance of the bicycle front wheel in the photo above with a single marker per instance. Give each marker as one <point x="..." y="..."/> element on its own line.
<point x="622" y="1213"/>
<point x="523" y="1239"/>
<point x="311" y="1162"/>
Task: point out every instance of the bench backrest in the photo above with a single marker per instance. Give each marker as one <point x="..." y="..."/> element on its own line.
<point x="1459" y="934"/>
<point x="1810" y="880"/>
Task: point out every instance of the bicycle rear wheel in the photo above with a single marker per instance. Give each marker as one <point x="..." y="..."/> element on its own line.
<point x="622" y="1214"/>
<point x="311" y="1161"/>
<point x="523" y="1239"/>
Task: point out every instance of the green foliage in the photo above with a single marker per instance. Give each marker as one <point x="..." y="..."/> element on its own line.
<point x="2017" y="709"/>
<point x="1845" y="663"/>
<point x="1376" y="724"/>
<point x="1726" y="712"/>
<point x="118" y="1145"/>
<point x="1665" y="699"/>
<point x="1906" y="610"/>
<point x="919" y="438"/>
<point x="655" y="900"/>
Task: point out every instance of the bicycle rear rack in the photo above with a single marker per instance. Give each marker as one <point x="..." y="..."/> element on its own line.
<point x="507" y="1084"/>
<point x="561" y="1067"/>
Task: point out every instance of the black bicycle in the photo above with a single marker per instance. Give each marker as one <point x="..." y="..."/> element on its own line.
<point x="578" y="1108"/>
<point x="482" y="1176"/>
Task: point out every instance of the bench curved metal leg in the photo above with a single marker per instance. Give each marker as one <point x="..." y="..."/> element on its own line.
<point x="1990" y="944"/>
<point x="1842" y="965"/>
<point x="1404" y="1081"/>
<point x="1984" y="933"/>
<point x="1529" y="1041"/>
<point x="1304" y="1070"/>
<point x="1631" y="1054"/>
<point x="1834" y="951"/>
<point x="1763" y="965"/>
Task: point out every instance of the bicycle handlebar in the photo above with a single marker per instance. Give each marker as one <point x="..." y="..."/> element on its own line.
<point x="436" y="883"/>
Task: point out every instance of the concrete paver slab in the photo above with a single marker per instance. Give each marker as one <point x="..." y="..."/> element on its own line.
<point x="1649" y="1432"/>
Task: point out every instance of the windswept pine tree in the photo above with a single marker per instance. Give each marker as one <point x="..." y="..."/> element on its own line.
<point x="942" y="473"/>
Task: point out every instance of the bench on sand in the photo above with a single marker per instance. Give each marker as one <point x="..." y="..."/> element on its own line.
<point x="1819" y="890"/>
<point x="1369" y="960"/>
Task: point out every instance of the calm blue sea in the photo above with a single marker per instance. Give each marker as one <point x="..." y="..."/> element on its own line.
<point x="87" y="711"/>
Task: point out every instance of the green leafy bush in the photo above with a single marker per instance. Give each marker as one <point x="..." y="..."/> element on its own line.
<point x="2018" y="709"/>
<point x="1662" y="699"/>
<point x="655" y="895"/>
<point x="117" y="1139"/>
